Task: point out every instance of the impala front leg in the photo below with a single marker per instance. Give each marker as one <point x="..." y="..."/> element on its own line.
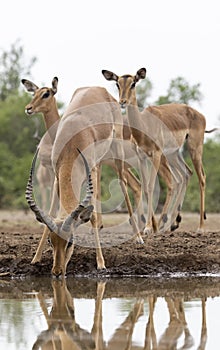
<point x="38" y="255"/>
<point x="149" y="185"/>
<point x="135" y="185"/>
<point x="53" y="208"/>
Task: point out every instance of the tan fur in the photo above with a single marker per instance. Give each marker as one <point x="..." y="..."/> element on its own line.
<point x="159" y="132"/>
<point x="93" y="123"/>
<point x="64" y="332"/>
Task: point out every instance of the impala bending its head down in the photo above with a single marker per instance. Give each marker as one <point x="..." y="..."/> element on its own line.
<point x="61" y="234"/>
<point x="94" y="123"/>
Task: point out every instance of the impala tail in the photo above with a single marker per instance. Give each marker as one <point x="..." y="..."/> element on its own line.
<point x="212" y="130"/>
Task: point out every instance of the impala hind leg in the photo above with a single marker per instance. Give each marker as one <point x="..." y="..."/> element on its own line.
<point x="185" y="175"/>
<point x="195" y="151"/>
<point x="98" y="202"/>
<point x="202" y="184"/>
<point x="166" y="175"/>
<point x="94" y="220"/>
<point x="176" y="175"/>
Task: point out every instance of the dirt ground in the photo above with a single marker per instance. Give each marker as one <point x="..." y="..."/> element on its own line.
<point x="183" y="251"/>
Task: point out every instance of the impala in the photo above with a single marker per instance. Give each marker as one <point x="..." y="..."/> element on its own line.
<point x="62" y="231"/>
<point x="63" y="331"/>
<point x="160" y="131"/>
<point x="93" y="123"/>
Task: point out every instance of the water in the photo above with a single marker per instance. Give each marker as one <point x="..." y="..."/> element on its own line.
<point x="114" y="314"/>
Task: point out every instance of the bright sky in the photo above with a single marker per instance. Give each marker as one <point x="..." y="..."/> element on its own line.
<point x="75" y="40"/>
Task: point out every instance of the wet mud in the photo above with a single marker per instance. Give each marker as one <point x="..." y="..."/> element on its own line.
<point x="183" y="252"/>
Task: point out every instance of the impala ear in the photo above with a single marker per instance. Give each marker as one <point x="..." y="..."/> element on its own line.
<point x="109" y="75"/>
<point x="54" y="85"/>
<point x="141" y="74"/>
<point x="29" y="86"/>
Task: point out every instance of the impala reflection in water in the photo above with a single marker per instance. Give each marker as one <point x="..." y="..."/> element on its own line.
<point x="114" y="314"/>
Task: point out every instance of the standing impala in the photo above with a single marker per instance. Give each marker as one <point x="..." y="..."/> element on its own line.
<point x="44" y="102"/>
<point x="93" y="123"/>
<point x="161" y="131"/>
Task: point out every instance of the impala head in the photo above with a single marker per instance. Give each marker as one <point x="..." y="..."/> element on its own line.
<point x="43" y="97"/>
<point x="61" y="234"/>
<point x="126" y="85"/>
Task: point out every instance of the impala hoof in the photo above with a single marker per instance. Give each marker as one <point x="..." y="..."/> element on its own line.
<point x="200" y="230"/>
<point x="101" y="268"/>
<point x="148" y="230"/>
<point x="35" y="261"/>
<point x="139" y="239"/>
<point x="174" y="227"/>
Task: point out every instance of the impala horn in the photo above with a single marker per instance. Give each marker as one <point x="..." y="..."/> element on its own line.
<point x="78" y="216"/>
<point x="39" y="214"/>
<point x="83" y="212"/>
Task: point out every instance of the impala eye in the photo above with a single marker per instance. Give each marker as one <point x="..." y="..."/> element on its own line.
<point x="132" y="86"/>
<point x="46" y="94"/>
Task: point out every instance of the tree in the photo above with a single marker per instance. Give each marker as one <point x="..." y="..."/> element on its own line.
<point x="212" y="171"/>
<point x="180" y="91"/>
<point x="16" y="131"/>
<point x="12" y="67"/>
<point x="143" y="92"/>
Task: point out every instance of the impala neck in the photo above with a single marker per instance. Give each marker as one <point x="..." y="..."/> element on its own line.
<point x="134" y="117"/>
<point x="51" y="120"/>
<point x="133" y="100"/>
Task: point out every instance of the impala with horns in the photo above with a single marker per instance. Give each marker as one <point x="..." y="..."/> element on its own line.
<point x="160" y="131"/>
<point x="44" y="102"/>
<point x="62" y="232"/>
<point x="93" y="122"/>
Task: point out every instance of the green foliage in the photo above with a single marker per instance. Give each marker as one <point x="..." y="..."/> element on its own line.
<point x="180" y="91"/>
<point x="17" y="129"/>
<point x="17" y="143"/>
<point x="143" y="92"/>
<point x="12" y="67"/>
<point x="13" y="177"/>
<point x="212" y="170"/>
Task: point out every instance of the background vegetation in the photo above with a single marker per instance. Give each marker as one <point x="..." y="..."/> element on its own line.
<point x="18" y="144"/>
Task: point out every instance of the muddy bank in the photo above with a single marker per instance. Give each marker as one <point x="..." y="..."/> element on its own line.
<point x="184" y="251"/>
